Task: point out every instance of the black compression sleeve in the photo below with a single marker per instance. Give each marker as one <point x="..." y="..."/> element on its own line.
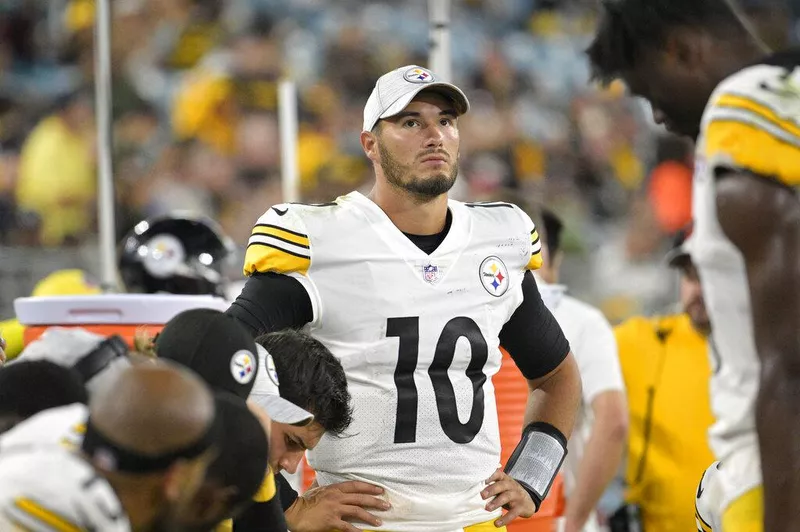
<point x="286" y="492"/>
<point x="532" y="336"/>
<point x="272" y="302"/>
<point x="261" y="517"/>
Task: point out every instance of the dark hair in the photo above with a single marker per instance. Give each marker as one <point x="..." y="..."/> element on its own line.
<point x="311" y="377"/>
<point x="28" y="387"/>
<point x="553" y="226"/>
<point x="629" y="27"/>
<point x="241" y="461"/>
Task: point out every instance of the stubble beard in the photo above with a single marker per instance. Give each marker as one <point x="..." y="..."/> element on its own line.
<point x="424" y="188"/>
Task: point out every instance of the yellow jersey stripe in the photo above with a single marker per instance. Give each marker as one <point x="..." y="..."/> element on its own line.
<point x="267" y="490"/>
<point x="757" y="108"/>
<point x="282" y="234"/>
<point x="535" y="261"/>
<point x="48" y="517"/>
<point x="754" y="149"/>
<point x="265" y="493"/>
<point x="262" y="258"/>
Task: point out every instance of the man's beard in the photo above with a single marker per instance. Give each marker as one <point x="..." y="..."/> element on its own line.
<point x="425" y="188"/>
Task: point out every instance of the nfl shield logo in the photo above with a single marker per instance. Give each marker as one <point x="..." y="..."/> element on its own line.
<point x="430" y="273"/>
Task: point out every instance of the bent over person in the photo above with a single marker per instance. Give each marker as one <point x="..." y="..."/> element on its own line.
<point x="415" y="293"/>
<point x="707" y="76"/>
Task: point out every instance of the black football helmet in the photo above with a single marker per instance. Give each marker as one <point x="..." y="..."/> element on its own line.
<point x="175" y="254"/>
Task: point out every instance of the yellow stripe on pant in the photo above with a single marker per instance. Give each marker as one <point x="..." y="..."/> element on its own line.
<point x="486" y="526"/>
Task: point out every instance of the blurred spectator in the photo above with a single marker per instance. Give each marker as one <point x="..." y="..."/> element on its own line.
<point x="665" y="363"/>
<point x="596" y="446"/>
<point x="194" y="104"/>
<point x="56" y="175"/>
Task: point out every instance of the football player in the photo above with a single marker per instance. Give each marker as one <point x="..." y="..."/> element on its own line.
<point x="598" y="443"/>
<point x="708" y="500"/>
<point x="415" y="293"/>
<point x="150" y="436"/>
<point x="708" y="77"/>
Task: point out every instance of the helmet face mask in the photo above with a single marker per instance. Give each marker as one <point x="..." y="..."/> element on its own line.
<point x="175" y="254"/>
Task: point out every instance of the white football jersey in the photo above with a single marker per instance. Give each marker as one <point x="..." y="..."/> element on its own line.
<point x="417" y="335"/>
<point x="47" y="488"/>
<point x="750" y="123"/>
<point x="594" y="347"/>
<point x="63" y="425"/>
<point x="709" y="499"/>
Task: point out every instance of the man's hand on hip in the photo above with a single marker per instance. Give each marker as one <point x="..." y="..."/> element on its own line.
<point x="508" y="493"/>
<point x="327" y="508"/>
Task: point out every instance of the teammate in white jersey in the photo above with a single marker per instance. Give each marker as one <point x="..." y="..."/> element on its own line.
<point x="43" y="489"/>
<point x="150" y="435"/>
<point x="707" y="76"/>
<point x="415" y="293"/>
<point x="598" y="442"/>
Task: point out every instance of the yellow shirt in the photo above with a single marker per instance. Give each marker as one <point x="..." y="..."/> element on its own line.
<point x="57" y="180"/>
<point x="673" y="376"/>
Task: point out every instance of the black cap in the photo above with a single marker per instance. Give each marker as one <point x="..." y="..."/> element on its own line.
<point x="213" y="345"/>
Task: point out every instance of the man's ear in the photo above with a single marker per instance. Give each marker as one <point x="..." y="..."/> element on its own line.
<point x="369" y="142"/>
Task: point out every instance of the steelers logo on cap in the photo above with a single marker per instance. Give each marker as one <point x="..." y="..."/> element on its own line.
<point x="418" y="75"/>
<point x="242" y="366"/>
<point x="271" y="371"/>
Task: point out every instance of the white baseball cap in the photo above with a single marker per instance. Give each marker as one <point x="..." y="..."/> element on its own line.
<point x="681" y="252"/>
<point x="394" y="91"/>
<point x="266" y="393"/>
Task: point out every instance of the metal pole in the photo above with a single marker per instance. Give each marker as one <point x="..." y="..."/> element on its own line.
<point x="105" y="176"/>
<point x="287" y="117"/>
<point x="439" y="31"/>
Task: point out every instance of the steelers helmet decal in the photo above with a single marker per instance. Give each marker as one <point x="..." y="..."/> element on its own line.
<point x="177" y="254"/>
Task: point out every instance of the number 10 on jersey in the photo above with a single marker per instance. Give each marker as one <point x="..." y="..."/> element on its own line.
<point x="407" y="331"/>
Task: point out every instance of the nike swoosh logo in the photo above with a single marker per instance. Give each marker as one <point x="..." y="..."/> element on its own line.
<point x="280" y="212"/>
<point x="700" y="488"/>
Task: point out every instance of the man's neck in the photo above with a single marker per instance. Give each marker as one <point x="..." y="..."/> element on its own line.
<point x="733" y="57"/>
<point x="411" y="214"/>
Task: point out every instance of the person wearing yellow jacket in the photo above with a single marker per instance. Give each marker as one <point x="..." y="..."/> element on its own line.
<point x="666" y="367"/>
<point x="70" y="282"/>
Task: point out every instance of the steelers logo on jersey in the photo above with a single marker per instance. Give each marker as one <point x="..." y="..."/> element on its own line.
<point x="494" y="276"/>
<point x="242" y="366"/>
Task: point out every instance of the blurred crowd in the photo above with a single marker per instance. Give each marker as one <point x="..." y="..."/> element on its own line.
<point x="195" y="120"/>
